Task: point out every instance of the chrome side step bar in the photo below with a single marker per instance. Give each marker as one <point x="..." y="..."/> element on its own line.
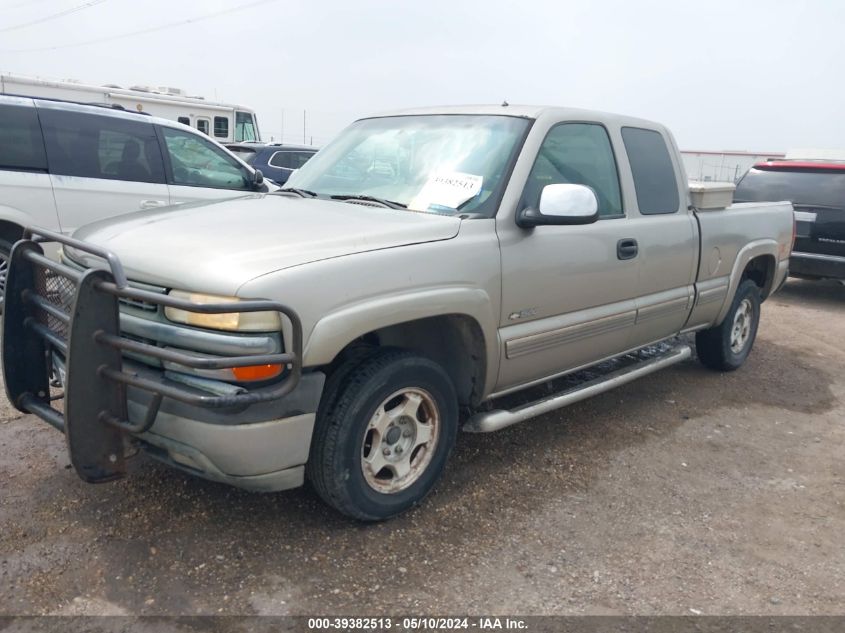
<point x="488" y="421"/>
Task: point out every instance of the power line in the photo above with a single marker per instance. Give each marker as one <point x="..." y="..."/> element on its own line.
<point x="23" y="4"/>
<point x="53" y="16"/>
<point x="152" y="29"/>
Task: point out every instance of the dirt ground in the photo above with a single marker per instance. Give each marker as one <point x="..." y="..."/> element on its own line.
<point x="686" y="492"/>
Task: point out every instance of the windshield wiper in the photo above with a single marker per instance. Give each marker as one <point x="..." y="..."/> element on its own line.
<point x="390" y="204"/>
<point x="302" y="193"/>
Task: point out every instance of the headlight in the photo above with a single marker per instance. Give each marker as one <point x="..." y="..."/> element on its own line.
<point x="232" y="321"/>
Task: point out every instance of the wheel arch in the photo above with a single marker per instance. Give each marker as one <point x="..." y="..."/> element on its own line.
<point x="458" y="339"/>
<point x="10" y="230"/>
<point x="757" y="261"/>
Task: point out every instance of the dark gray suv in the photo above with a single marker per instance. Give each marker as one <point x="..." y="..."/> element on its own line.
<point x="817" y="191"/>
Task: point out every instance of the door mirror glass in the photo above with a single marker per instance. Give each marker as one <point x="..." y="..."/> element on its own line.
<point x="562" y="204"/>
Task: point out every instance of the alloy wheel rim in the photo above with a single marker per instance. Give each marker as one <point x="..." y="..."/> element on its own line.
<point x="400" y="440"/>
<point x="741" y="329"/>
<point x="4" y="270"/>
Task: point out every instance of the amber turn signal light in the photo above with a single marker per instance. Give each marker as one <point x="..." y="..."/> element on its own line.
<point x="251" y="373"/>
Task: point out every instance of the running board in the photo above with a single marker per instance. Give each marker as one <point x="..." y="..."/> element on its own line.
<point x="488" y="421"/>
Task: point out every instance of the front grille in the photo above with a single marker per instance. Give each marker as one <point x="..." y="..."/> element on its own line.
<point x="146" y="306"/>
<point x="59" y="291"/>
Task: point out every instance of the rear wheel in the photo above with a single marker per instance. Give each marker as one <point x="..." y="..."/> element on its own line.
<point x="726" y="346"/>
<point x="383" y="440"/>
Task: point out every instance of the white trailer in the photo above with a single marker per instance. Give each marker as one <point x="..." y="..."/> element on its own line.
<point x="225" y="123"/>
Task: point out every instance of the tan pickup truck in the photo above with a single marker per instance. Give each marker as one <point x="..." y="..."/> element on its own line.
<point x="414" y="274"/>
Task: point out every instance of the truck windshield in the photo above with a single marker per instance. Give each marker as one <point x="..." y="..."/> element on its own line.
<point x="245" y="127"/>
<point x="436" y="163"/>
<point x="801" y="186"/>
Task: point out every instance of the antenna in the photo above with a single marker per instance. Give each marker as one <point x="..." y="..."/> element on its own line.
<point x="505" y="103"/>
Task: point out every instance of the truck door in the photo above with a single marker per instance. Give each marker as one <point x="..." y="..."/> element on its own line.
<point x="568" y="298"/>
<point x="101" y="166"/>
<point x="665" y="234"/>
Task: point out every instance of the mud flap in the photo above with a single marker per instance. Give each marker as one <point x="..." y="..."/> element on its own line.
<point x="96" y="448"/>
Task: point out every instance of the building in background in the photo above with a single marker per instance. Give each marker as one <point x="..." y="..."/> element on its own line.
<point x="723" y="166"/>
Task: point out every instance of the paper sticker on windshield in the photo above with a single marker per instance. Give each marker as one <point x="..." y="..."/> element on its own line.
<point x="447" y="191"/>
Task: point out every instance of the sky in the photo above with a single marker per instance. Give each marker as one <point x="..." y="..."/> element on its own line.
<point x="758" y="76"/>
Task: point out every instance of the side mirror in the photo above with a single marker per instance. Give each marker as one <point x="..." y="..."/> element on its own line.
<point x="561" y="204"/>
<point x="257" y="179"/>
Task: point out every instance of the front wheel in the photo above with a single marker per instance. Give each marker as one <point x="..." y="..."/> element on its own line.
<point x="726" y="346"/>
<point x="383" y="439"/>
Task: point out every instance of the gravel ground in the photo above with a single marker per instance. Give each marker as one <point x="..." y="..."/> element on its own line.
<point x="686" y="492"/>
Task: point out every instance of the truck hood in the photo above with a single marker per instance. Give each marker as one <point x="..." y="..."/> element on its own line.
<point x="218" y="247"/>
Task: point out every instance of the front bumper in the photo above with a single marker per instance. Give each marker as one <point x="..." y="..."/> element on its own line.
<point x="262" y="447"/>
<point x="817" y="265"/>
<point x="255" y="438"/>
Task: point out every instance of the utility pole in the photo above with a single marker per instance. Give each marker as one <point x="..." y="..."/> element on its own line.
<point x="303" y="127"/>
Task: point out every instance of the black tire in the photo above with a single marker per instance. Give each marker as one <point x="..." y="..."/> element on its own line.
<point x="714" y="346"/>
<point x="352" y="397"/>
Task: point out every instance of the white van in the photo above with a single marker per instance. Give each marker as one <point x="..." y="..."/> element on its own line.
<point x="65" y="164"/>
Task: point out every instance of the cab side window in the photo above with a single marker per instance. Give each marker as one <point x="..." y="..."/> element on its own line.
<point x="197" y="163"/>
<point x="91" y="146"/>
<point x="577" y="153"/>
<point x="651" y="166"/>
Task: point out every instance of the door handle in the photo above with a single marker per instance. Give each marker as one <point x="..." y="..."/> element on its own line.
<point x="152" y="204"/>
<point x="627" y="248"/>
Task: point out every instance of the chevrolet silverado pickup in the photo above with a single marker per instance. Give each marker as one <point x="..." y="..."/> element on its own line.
<point x="425" y="271"/>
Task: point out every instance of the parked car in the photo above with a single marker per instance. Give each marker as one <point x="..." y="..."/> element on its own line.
<point x="817" y="191"/>
<point x="65" y="164"/>
<point x="275" y="160"/>
<point x="413" y="274"/>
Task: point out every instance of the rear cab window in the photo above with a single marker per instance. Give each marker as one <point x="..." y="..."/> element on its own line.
<point x="651" y="166"/>
<point x="21" y="143"/>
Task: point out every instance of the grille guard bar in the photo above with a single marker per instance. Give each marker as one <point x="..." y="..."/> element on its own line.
<point x="95" y="419"/>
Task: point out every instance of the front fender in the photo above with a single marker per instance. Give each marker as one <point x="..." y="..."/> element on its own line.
<point x="336" y="330"/>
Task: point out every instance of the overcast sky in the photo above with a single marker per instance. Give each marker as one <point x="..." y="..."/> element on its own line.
<point x="748" y="75"/>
